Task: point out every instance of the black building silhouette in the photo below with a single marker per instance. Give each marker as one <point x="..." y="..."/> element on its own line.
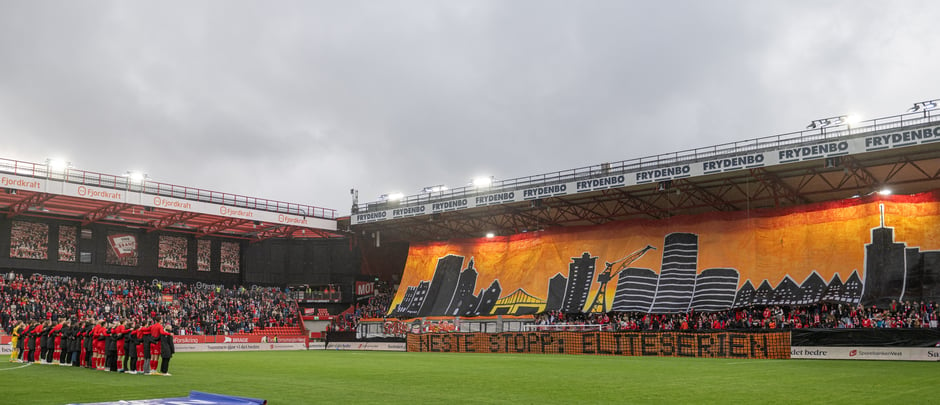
<point x="636" y="289"/>
<point x="464" y="302"/>
<point x="813" y="289"/>
<point x="923" y="275"/>
<point x="885" y="268"/>
<point x="787" y="292"/>
<point x="852" y="288"/>
<point x="677" y="276"/>
<point x="834" y="290"/>
<point x="402" y="308"/>
<point x="580" y="276"/>
<point x="764" y="294"/>
<point x="715" y="290"/>
<point x="556" y="292"/>
<point x="745" y="295"/>
<point x="413" y="300"/>
<point x="488" y="299"/>
<point x="443" y="286"/>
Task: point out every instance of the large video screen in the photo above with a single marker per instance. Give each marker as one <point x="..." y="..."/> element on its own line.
<point x="68" y="243"/>
<point x="230" y="253"/>
<point x="122" y="249"/>
<point x="203" y="255"/>
<point x="29" y="240"/>
<point x="172" y="252"/>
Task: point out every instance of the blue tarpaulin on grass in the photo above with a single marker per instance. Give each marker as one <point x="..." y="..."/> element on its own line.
<point x="194" y="398"/>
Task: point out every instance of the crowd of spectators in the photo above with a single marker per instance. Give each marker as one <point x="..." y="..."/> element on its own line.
<point x="67" y="243"/>
<point x="229" y="252"/>
<point x="823" y="315"/>
<point x="375" y="307"/>
<point x="214" y="309"/>
<point x="172" y="252"/>
<point x="203" y="255"/>
<point x="29" y="240"/>
<point x="208" y="309"/>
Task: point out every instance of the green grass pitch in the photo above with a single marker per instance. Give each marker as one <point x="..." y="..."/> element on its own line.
<point x="340" y="377"/>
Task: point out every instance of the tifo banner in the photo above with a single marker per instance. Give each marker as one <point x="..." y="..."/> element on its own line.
<point x="122" y="249"/>
<point x="770" y="345"/>
<point x="122" y="245"/>
<point x="869" y="250"/>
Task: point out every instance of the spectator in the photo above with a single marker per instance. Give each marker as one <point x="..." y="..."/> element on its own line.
<point x="197" y="310"/>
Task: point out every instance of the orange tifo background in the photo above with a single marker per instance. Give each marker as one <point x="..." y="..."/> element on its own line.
<point x="829" y="238"/>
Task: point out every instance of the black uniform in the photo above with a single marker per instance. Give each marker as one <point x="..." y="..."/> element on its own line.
<point x="77" y="334"/>
<point x="145" y="342"/>
<point x="30" y="345"/>
<point x="20" y="342"/>
<point x="87" y="342"/>
<point x="110" y="350"/>
<point x="44" y="343"/>
<point x="166" y="351"/>
<point x="130" y="349"/>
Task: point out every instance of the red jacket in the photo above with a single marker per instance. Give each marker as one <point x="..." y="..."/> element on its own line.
<point x="156" y="330"/>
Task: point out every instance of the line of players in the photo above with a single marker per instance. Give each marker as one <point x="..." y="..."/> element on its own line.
<point x="96" y="345"/>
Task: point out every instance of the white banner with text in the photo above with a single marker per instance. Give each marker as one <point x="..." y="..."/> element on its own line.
<point x="865" y="353"/>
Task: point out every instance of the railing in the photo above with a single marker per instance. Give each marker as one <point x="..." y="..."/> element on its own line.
<point x="655" y="161"/>
<point x="396" y="328"/>
<point x="565" y="327"/>
<point x="43" y="171"/>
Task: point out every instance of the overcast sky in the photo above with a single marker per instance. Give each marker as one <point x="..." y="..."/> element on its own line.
<point x="301" y="101"/>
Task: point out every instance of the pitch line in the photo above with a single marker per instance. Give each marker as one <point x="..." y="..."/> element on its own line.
<point x="14" y="368"/>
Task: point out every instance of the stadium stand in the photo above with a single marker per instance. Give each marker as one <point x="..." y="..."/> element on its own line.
<point x="189" y="310"/>
<point x="824" y="315"/>
<point x="56" y="239"/>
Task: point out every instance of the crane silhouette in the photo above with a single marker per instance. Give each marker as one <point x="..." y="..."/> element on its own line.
<point x="600" y="299"/>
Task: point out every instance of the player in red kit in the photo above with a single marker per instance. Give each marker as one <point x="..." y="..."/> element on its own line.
<point x="156" y="332"/>
<point x="118" y="333"/>
<point x="36" y="349"/>
<point x="56" y="336"/>
<point x="143" y="349"/>
<point x="97" y="345"/>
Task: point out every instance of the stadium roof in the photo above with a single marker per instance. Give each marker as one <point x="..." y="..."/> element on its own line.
<point x="46" y="191"/>
<point x="900" y="153"/>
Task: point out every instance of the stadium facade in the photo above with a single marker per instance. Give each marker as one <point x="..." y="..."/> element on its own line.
<point x="74" y="222"/>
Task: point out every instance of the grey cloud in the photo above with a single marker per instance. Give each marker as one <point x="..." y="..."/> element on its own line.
<point x="301" y="101"/>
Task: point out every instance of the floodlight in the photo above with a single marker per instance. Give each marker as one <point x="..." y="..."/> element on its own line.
<point x="852" y="119"/>
<point x="395" y="196"/>
<point x="136" y="176"/>
<point x="885" y="191"/>
<point x="57" y="165"/>
<point x="490" y="234"/>
<point x="482" y="181"/>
